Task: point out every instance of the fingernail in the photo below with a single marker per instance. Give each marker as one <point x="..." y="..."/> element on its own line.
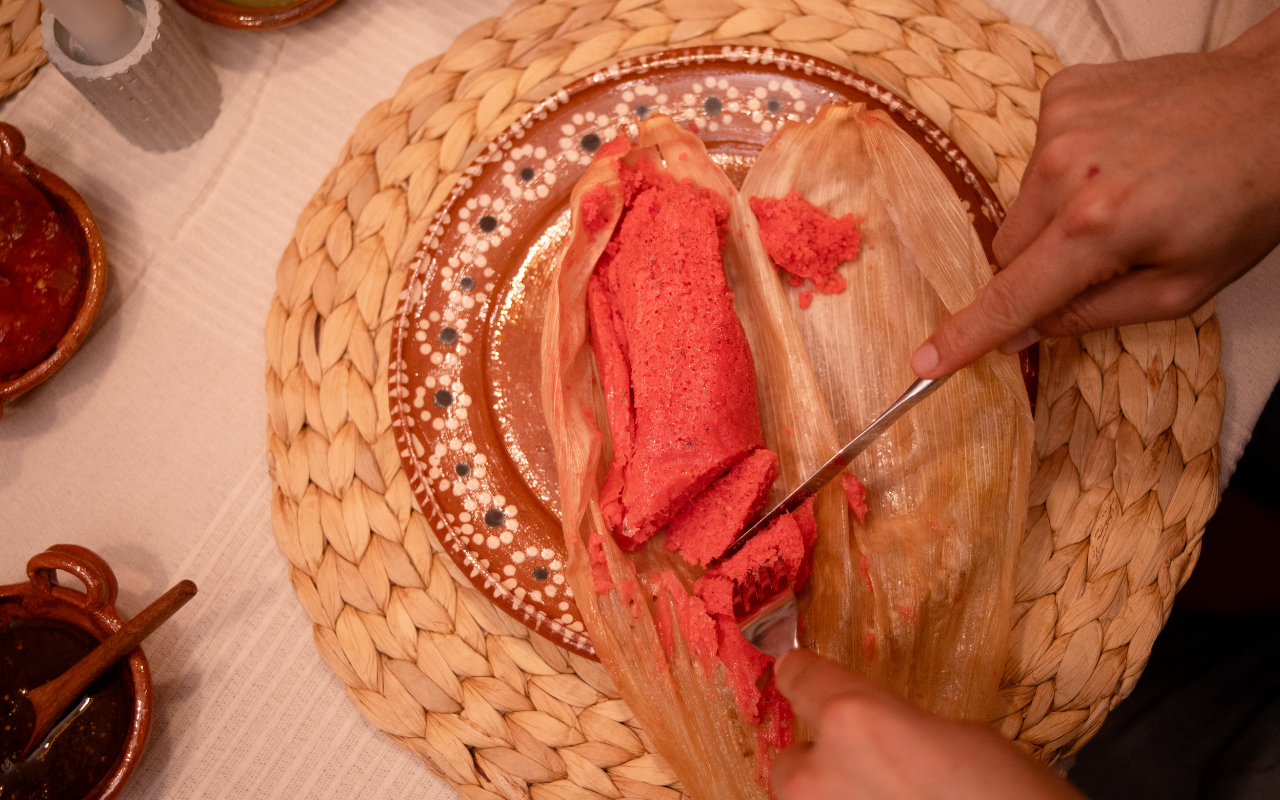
<point x="1020" y="342"/>
<point x="925" y="359"/>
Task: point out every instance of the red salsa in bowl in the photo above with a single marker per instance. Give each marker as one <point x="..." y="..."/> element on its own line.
<point x="53" y="269"/>
<point x="41" y="274"/>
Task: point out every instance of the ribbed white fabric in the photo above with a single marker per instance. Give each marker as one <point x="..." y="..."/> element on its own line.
<point x="148" y="446"/>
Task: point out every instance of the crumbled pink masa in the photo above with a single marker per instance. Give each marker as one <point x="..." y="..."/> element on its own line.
<point x="775" y="734"/>
<point x="805" y="241"/>
<point x="743" y="664"/>
<point x="710" y="523"/>
<point x="713" y="638"/>
<point x="784" y="546"/>
<point x="599" y="563"/>
<point x="707" y="622"/>
<point x="691" y="615"/>
<point x="856" y="493"/>
<point x="593" y="203"/>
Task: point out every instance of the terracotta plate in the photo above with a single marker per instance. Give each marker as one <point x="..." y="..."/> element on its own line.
<point x="464" y="373"/>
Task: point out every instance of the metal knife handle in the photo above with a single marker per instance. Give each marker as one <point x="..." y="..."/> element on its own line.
<point x="922" y="388"/>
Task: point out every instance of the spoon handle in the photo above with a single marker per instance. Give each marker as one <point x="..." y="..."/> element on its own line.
<point x="52" y="698"/>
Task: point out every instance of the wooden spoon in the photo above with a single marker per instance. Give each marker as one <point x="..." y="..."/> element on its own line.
<point x="39" y="709"/>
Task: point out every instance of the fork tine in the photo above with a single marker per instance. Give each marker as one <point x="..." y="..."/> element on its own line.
<point x="765" y="607"/>
<point x="758" y="588"/>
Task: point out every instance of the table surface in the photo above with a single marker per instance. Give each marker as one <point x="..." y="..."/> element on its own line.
<point x="148" y="447"/>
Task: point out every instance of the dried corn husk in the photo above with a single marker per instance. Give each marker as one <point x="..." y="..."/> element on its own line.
<point x="684" y="704"/>
<point x="699" y="730"/>
<point x="918" y="596"/>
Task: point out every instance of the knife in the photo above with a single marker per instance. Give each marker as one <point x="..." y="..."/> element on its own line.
<point x="922" y="388"/>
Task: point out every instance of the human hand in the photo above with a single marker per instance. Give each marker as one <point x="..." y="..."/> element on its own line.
<point x="1153" y="185"/>
<point x="870" y="745"/>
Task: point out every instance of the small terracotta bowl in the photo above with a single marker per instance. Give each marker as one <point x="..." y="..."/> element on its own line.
<point x="67" y="203"/>
<point x="230" y="15"/>
<point x="42" y="598"/>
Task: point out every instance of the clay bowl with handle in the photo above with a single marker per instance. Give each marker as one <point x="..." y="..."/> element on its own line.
<point x="42" y="598"/>
<point x="71" y="208"/>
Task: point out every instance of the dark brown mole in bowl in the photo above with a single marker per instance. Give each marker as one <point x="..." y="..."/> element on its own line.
<point x="90" y="612"/>
<point x="89" y="742"/>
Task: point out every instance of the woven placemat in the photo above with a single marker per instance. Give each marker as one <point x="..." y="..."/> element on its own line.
<point x="1125" y="468"/>
<point x="21" y="48"/>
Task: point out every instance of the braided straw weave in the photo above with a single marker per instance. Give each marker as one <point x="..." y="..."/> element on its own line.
<point x="21" y="48"/>
<point x="1125" y="472"/>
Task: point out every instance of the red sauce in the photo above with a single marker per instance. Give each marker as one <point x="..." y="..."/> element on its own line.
<point x="41" y="275"/>
<point x="599" y="563"/>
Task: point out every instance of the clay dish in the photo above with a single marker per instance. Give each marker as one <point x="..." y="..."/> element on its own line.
<point x="230" y="15"/>
<point x="464" y="372"/>
<point x="93" y="611"/>
<point x="67" y="203"/>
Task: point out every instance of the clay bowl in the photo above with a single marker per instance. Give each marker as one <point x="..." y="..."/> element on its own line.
<point x="93" y="611"/>
<point x="230" y="15"/>
<point x="67" y="203"/>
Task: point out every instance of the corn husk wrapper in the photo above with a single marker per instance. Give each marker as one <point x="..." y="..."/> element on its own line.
<point x="683" y="703"/>
<point x="816" y="389"/>
<point x="918" y="597"/>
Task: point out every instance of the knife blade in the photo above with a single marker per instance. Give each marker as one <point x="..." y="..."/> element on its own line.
<point x="922" y="388"/>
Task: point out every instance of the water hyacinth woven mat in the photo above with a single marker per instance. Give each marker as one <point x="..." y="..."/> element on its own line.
<point x="21" y="48"/>
<point x="1125" y="471"/>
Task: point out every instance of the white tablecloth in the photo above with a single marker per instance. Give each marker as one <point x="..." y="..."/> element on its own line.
<point x="148" y="447"/>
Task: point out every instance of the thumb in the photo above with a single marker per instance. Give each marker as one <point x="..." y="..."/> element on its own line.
<point x="811" y="682"/>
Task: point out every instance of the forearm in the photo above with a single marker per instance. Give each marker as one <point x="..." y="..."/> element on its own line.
<point x="1252" y="78"/>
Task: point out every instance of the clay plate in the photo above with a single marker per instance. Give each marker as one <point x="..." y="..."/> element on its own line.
<point x="464" y="379"/>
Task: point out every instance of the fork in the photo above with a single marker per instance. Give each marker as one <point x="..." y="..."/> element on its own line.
<point x="765" y="604"/>
<point x="766" y="611"/>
